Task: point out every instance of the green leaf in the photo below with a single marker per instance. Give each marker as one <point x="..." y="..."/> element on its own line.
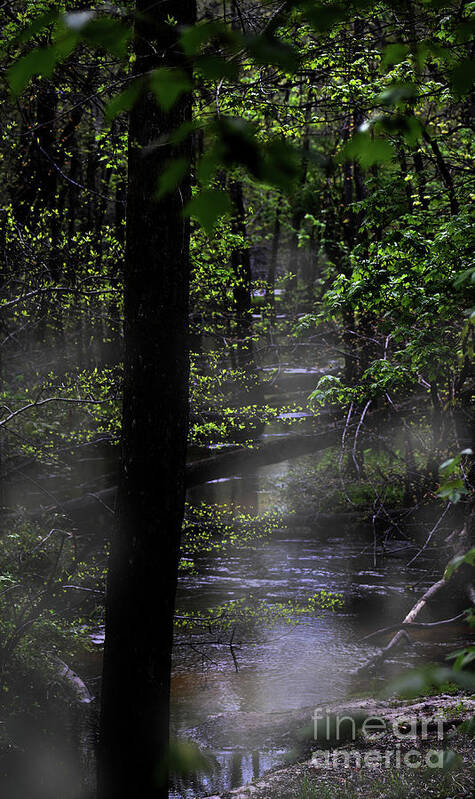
<point x="123" y="101"/>
<point x="171" y="176"/>
<point x="193" y="38"/>
<point x="322" y="17"/>
<point x="267" y="50"/>
<point x="452" y="487"/>
<point x="463" y="657"/>
<point x="36" y="26"/>
<point x="184" y="757"/>
<point x="168" y="84"/>
<point x="281" y="164"/>
<point x="109" y="34"/>
<point x="184" y="130"/>
<point x="419" y="681"/>
<point x="397" y="93"/>
<point x="394" y="54"/>
<point x="435" y="4"/>
<point x="462" y="77"/>
<point x="367" y="150"/>
<point x="467" y="727"/>
<point x="208" y="206"/>
<point x="208" y="165"/>
<point x="104" y="32"/>
<point x="457" y="561"/>
<point x="451" y="760"/>
<point x="214" y="67"/>
<point x="407" y="126"/>
<point x="449" y="465"/>
<point x="453" y="490"/>
<point x="237" y="144"/>
<point x="467" y="276"/>
<point x="39" y="62"/>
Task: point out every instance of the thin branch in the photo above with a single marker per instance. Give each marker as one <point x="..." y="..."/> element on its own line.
<point x="415" y="625"/>
<point x="353" y="454"/>
<point x="39" y="403"/>
<point x="429" y="537"/>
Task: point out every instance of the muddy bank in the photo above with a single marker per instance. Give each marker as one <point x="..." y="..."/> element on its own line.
<point x="424" y="748"/>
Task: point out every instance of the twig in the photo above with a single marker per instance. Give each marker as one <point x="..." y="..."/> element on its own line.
<point x="353" y="454"/>
<point x="83" y="588"/>
<point x="414" y="625"/>
<point x="429" y="537"/>
<point x="39" y="403"/>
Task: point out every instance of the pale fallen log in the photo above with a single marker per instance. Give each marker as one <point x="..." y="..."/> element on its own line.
<point x="412" y="615"/>
<point x="78" y="685"/>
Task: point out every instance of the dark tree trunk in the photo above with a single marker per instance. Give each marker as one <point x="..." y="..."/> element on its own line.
<point x="145" y="548"/>
<point x="444" y="172"/>
<point x="404" y="174"/>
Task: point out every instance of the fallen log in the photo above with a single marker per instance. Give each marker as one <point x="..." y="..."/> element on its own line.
<point x="276" y="449"/>
<point x="280" y="448"/>
<point x="218" y="466"/>
<point x="78" y="686"/>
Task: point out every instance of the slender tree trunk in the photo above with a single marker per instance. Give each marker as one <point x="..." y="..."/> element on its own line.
<point x="143" y="568"/>
<point x="270" y="283"/>
<point x="241" y="263"/>
<point x="421" y="180"/>
<point x="444" y="172"/>
<point x="295" y="255"/>
<point x="242" y="295"/>
<point x="404" y="174"/>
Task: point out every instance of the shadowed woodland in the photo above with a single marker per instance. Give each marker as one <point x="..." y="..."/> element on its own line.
<point x="236" y="364"/>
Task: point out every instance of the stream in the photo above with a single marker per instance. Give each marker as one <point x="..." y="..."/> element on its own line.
<point x="244" y="706"/>
<point x="239" y="717"/>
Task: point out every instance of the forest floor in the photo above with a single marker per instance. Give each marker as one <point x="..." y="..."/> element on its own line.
<point x="438" y="761"/>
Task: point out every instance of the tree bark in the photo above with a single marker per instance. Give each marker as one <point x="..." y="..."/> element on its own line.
<point x="133" y="746"/>
<point x="444" y="172"/>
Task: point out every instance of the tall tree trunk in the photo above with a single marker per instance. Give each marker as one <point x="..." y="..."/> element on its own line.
<point x="295" y="255"/>
<point x="143" y="568"/>
<point x="421" y="180"/>
<point x="404" y="174"/>
<point x="242" y="295"/>
<point x="241" y="264"/>
<point x="444" y="172"/>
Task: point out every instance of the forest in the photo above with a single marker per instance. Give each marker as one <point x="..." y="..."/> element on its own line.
<point x="237" y="474"/>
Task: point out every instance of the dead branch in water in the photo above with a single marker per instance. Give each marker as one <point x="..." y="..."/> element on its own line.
<point x="409" y="622"/>
<point x="412" y="625"/>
